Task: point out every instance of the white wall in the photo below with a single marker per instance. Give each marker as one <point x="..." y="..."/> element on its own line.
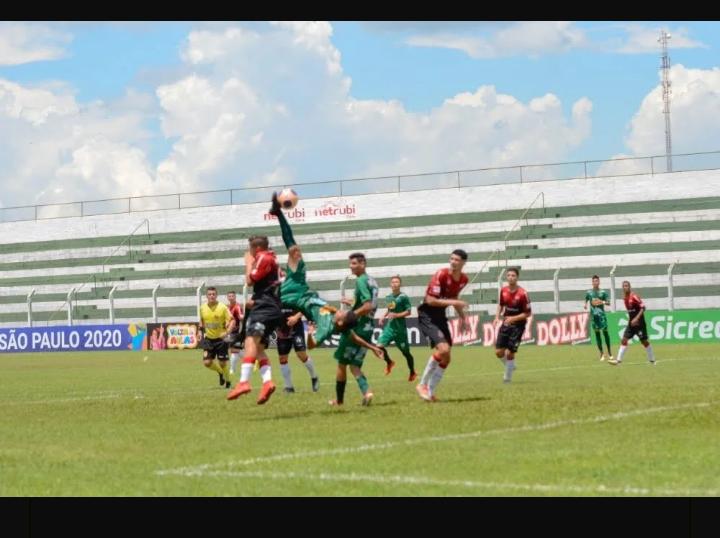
<point x="641" y="188"/>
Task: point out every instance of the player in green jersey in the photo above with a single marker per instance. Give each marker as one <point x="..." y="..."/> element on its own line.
<point x="349" y="353"/>
<point x="398" y="308"/>
<point x="598" y="299"/>
<point x="297" y="300"/>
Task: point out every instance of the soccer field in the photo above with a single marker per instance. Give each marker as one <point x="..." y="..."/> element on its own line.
<point x="157" y="423"/>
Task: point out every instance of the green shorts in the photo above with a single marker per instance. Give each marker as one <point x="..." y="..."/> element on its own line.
<point x="391" y="334"/>
<point x="599" y="322"/>
<point x="348" y="352"/>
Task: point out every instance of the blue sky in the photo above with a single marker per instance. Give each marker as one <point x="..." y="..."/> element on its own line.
<point x="182" y="105"/>
<point x="383" y="66"/>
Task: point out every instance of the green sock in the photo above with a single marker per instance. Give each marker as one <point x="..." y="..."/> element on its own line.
<point x="287" y="234"/>
<point x="363" y="383"/>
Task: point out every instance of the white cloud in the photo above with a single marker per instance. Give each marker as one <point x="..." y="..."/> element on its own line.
<point x="301" y="102"/>
<point x="263" y="104"/>
<point x="694" y="109"/>
<point x="531" y="38"/>
<point x="695" y="122"/>
<point x="58" y="150"/>
<point x="641" y="39"/>
<point x="22" y="43"/>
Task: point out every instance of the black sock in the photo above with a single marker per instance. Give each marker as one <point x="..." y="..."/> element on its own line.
<point x="598" y="341"/>
<point x="340" y="390"/>
<point x="607" y="340"/>
<point x="410" y="361"/>
<point x="386" y="356"/>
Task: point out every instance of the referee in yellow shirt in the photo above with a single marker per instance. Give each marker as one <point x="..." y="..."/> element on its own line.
<point x="215" y="322"/>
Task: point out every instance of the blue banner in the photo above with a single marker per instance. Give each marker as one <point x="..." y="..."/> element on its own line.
<point x="76" y="338"/>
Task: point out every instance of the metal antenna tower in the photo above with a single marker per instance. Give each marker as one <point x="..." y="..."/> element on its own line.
<point x="663" y="40"/>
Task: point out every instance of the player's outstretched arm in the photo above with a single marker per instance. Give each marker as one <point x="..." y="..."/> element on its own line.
<point x="362" y="342"/>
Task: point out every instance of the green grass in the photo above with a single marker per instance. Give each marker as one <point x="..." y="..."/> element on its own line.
<point x="106" y="423"/>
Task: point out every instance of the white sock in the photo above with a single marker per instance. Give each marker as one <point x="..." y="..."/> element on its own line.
<point x="285" y="369"/>
<point x="621" y="353"/>
<point x="245" y="371"/>
<point x="265" y="373"/>
<point x="310" y="365"/>
<point x="509" y="368"/>
<point x="650" y="354"/>
<point x="429" y="369"/>
<point x="435" y="379"/>
<point x="234" y="357"/>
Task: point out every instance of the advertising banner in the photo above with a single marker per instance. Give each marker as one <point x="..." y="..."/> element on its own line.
<point x="678" y="326"/>
<point x="74" y="338"/>
<point x="542" y="329"/>
<point x="176" y="335"/>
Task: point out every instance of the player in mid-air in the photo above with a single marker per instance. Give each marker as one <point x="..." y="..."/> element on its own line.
<point x="442" y="291"/>
<point x="215" y="321"/>
<point x="297" y="300"/>
<point x="598" y="299"/>
<point x="398" y="308"/>
<point x="636" y="325"/>
<point x="514" y="307"/>
<point x="261" y="272"/>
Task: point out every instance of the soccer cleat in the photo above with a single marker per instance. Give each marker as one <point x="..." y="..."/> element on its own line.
<point x="275" y="207"/>
<point x="611" y="358"/>
<point x="652" y="362"/>
<point x="412" y="377"/>
<point x="423" y="392"/>
<point x="243" y="387"/>
<point x="267" y="389"/>
<point x="434" y="399"/>
<point x="614" y="362"/>
<point x="367" y="398"/>
<point x="335" y="403"/>
<point x="289" y="390"/>
<point x="222" y="379"/>
<point x="602" y="357"/>
<point x="389" y="367"/>
<point x="315" y="384"/>
<point x="228" y="384"/>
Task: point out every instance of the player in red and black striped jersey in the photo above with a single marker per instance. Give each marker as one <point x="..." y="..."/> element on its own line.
<point x="442" y="292"/>
<point x="636" y="325"/>
<point x="514" y="306"/>
<point x="261" y="272"/>
<point x="236" y="310"/>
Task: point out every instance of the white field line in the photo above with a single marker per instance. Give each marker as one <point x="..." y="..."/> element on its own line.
<point x="470" y="484"/>
<point x="202" y="469"/>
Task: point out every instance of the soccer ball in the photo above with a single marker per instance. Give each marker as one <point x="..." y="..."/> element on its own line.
<point x="288" y="198"/>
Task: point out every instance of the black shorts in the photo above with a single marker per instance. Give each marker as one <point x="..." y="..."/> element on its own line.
<point x="214" y="347"/>
<point x="263" y="319"/>
<point x="235" y="340"/>
<point x="509" y="336"/>
<point x="639" y="330"/>
<point x="434" y="324"/>
<point x="294" y="338"/>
